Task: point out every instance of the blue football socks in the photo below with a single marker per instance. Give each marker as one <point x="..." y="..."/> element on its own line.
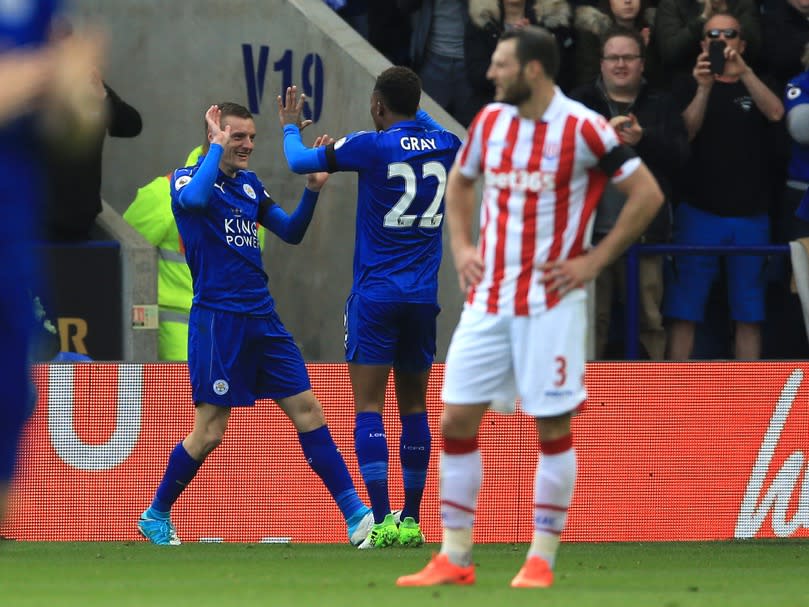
<point x="180" y="470"/>
<point x="414" y="452"/>
<point x="325" y="459"/>
<point x="371" y="446"/>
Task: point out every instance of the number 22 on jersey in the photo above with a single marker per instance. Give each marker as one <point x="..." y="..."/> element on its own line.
<point x="397" y="217"/>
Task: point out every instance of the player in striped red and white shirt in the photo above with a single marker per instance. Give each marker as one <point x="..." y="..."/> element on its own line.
<point x="545" y="161"/>
<point x="541" y="183"/>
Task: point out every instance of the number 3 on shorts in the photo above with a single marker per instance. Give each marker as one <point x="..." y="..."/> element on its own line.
<point x="561" y="371"/>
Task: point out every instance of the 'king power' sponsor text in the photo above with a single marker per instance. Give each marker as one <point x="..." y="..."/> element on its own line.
<point x="241" y="233"/>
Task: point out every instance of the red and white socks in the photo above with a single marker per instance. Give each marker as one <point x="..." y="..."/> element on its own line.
<point x="553" y="490"/>
<point x="461" y="477"/>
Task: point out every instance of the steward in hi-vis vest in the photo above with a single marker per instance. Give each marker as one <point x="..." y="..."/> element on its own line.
<point x="150" y="214"/>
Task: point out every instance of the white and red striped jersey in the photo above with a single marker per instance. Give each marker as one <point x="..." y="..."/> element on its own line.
<point x="542" y="181"/>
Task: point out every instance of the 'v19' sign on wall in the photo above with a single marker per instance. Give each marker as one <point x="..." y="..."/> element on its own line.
<point x="309" y="78"/>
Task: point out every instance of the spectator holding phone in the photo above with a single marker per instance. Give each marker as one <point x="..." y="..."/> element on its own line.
<point x="725" y="194"/>
<point x="679" y="26"/>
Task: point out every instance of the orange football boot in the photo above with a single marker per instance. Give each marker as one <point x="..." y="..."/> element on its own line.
<point x="440" y="570"/>
<point x="534" y="574"/>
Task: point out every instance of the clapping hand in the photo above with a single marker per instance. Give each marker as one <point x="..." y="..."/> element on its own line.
<point x="315" y="181"/>
<point x="212" y="117"/>
<point x="291" y="108"/>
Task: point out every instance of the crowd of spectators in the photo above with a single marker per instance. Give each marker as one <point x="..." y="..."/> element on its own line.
<point x="736" y="179"/>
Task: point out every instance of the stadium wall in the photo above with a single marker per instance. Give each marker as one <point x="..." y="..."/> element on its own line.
<point x="172" y="60"/>
<point x="667" y="452"/>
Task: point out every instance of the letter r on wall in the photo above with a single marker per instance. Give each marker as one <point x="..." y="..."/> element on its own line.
<point x="77" y="338"/>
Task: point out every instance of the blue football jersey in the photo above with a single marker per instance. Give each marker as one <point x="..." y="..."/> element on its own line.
<point x="221" y="242"/>
<point x="400" y="207"/>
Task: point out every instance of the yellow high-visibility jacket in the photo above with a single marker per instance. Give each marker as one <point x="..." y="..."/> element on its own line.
<point x="150" y="214"/>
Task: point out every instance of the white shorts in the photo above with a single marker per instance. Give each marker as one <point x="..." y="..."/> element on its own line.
<point x="540" y="359"/>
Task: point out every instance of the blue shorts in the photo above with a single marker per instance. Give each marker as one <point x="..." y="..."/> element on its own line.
<point x="235" y="359"/>
<point x="398" y="334"/>
<point x="689" y="277"/>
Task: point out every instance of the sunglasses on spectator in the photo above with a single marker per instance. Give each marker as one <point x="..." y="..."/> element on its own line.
<point x="618" y="58"/>
<point x="728" y="33"/>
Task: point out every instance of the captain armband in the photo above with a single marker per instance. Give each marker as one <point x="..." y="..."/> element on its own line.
<point x="615" y="159"/>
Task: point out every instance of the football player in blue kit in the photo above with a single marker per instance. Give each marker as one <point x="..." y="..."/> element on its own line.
<point x="238" y="349"/>
<point x="390" y="315"/>
<point x="44" y="91"/>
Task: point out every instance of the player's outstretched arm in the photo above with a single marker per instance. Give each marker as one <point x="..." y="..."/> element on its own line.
<point x="197" y="193"/>
<point x="300" y="158"/>
<point x="292" y="228"/>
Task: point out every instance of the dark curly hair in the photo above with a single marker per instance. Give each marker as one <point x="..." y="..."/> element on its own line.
<point x="400" y="89"/>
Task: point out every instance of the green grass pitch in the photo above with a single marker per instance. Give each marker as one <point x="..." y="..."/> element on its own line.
<point x="754" y="573"/>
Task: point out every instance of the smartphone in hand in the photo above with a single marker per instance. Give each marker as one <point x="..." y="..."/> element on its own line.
<point x="716" y="55"/>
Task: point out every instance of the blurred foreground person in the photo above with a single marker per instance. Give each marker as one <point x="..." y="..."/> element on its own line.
<point x="545" y="160"/>
<point x="39" y="92"/>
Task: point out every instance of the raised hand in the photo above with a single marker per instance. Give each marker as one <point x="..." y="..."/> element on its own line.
<point x="218" y="135"/>
<point x="702" y="71"/>
<point x="646" y="33"/>
<point x="734" y="63"/>
<point x="71" y="91"/>
<point x="712" y="7"/>
<point x="291" y="107"/>
<point x="316" y="181"/>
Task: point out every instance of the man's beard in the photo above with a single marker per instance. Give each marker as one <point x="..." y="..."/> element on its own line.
<point x="517" y="92"/>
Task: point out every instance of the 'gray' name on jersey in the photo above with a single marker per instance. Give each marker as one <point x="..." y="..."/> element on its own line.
<point x="416" y="144"/>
